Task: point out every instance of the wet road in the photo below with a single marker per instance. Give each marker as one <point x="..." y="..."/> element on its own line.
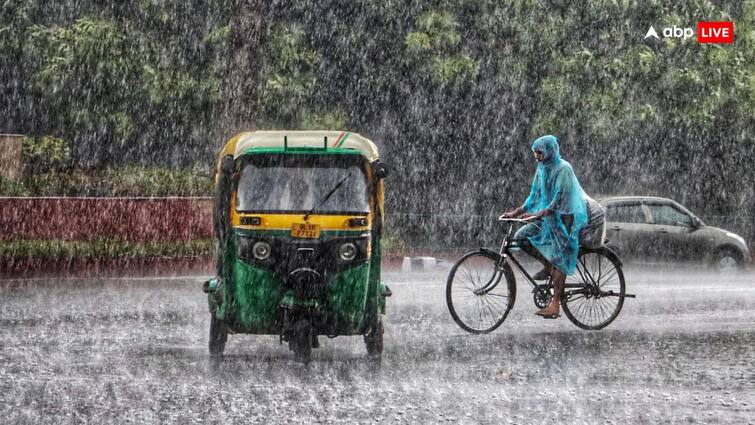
<point x="134" y="350"/>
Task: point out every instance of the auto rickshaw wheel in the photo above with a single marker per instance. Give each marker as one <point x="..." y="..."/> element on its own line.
<point x="218" y="336"/>
<point x="373" y="339"/>
<point x="301" y="340"/>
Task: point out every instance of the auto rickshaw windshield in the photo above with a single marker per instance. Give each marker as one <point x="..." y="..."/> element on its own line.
<point x="277" y="183"/>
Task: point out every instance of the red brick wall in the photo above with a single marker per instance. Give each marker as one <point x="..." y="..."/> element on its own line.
<point x="131" y="219"/>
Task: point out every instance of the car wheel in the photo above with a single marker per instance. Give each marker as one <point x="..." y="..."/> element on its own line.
<point x="727" y="260"/>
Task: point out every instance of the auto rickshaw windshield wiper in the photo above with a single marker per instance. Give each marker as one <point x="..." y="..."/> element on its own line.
<point x="327" y="196"/>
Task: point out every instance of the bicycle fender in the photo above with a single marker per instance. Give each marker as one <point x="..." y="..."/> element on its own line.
<point x="609" y="251"/>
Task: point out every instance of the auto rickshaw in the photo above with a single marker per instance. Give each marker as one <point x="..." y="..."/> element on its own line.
<point x="299" y="221"/>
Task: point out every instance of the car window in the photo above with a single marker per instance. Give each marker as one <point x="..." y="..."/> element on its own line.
<point x="669" y="215"/>
<point x="625" y="213"/>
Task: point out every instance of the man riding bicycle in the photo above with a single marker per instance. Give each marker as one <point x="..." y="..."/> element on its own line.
<point x="558" y="210"/>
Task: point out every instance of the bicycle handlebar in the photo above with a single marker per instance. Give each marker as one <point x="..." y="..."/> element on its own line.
<point x="517" y="220"/>
<point x="512" y="220"/>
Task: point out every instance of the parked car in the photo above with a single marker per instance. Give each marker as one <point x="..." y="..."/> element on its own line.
<point x="659" y="229"/>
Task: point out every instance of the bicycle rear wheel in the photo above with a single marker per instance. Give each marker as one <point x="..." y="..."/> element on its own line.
<point x="480" y="292"/>
<point x="594" y="293"/>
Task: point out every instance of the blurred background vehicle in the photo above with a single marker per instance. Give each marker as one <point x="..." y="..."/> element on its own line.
<point x="653" y="229"/>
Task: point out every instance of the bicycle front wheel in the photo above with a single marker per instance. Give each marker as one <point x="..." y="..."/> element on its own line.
<point x="480" y="291"/>
<point x="594" y="293"/>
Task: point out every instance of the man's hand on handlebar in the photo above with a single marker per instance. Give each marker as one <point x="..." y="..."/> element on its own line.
<point x="512" y="213"/>
<point x="529" y="217"/>
<point x="536" y="216"/>
<point x="521" y="215"/>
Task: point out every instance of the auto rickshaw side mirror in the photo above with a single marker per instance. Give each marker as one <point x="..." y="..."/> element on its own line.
<point x="379" y="170"/>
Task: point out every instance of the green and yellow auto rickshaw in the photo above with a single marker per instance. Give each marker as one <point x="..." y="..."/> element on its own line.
<point x="299" y="220"/>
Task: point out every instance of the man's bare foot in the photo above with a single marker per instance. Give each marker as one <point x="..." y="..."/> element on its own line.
<point x="550" y="312"/>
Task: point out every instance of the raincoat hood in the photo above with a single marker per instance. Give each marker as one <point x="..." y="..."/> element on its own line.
<point x="548" y="145"/>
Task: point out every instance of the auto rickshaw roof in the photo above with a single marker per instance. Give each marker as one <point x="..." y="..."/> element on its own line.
<point x="310" y="141"/>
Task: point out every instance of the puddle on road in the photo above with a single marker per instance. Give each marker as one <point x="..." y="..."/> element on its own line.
<point x="139" y="354"/>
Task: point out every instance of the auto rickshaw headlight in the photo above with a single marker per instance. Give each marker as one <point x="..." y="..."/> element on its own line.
<point x="347" y="251"/>
<point x="261" y="251"/>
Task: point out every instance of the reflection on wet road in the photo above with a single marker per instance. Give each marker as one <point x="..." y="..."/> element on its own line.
<point x="135" y="350"/>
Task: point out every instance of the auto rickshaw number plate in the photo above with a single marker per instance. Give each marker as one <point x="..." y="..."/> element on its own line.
<point x="305" y="230"/>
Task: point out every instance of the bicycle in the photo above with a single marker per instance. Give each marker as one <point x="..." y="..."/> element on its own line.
<point x="481" y="288"/>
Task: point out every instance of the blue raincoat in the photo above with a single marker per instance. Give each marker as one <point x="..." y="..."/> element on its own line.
<point x="556" y="188"/>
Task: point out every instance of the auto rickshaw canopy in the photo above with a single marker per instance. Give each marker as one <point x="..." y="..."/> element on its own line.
<point x="300" y="140"/>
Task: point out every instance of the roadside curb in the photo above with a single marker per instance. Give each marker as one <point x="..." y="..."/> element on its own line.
<point x="108" y="267"/>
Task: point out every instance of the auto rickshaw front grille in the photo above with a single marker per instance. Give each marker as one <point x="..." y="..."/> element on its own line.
<point x="306" y="283"/>
<point x="288" y="254"/>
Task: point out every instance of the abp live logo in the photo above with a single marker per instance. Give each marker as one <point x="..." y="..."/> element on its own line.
<point x="715" y="32"/>
<point x="707" y="32"/>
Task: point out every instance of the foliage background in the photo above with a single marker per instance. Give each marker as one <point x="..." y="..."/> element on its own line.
<point x="453" y="91"/>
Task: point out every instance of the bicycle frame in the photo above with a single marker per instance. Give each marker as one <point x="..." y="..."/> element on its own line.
<point x="504" y="254"/>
